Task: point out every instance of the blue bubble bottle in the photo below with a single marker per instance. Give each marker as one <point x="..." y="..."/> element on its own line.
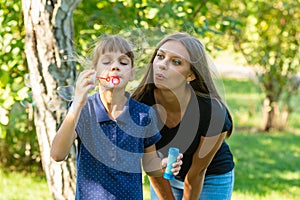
<point x="172" y="157"/>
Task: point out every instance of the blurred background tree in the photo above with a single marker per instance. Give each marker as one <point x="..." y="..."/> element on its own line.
<point x="266" y="33"/>
<point x="18" y="141"/>
<point x="269" y="40"/>
<point x="48" y="47"/>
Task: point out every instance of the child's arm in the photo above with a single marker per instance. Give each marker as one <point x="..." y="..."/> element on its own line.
<point x="66" y="134"/>
<point x="154" y="168"/>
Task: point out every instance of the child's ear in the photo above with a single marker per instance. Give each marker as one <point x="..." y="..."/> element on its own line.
<point x="132" y="74"/>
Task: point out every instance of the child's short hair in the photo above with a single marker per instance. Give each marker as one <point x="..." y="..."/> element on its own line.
<point x="112" y="43"/>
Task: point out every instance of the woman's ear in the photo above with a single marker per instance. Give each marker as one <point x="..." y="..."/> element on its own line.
<point x="191" y="77"/>
<point x="132" y="74"/>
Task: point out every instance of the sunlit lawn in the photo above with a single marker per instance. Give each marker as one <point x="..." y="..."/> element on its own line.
<point x="267" y="164"/>
<point x="20" y="186"/>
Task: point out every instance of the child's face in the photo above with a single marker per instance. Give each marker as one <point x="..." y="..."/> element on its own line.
<point x="114" y="64"/>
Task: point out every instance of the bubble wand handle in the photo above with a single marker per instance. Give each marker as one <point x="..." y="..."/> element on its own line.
<point x="114" y="79"/>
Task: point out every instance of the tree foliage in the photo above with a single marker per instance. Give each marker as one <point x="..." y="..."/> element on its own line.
<point x="146" y="22"/>
<point x="269" y="40"/>
<point x="266" y="32"/>
<point x="17" y="133"/>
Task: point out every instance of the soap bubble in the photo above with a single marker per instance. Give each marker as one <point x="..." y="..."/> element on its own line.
<point x="66" y="92"/>
<point x="53" y="105"/>
<point x="27" y="80"/>
<point x="27" y="102"/>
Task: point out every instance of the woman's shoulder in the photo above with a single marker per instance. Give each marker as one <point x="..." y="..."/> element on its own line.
<point x="216" y="115"/>
<point x="210" y="103"/>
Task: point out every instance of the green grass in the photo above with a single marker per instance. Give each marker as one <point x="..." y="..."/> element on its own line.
<point x="267" y="164"/>
<point x="244" y="100"/>
<point x="21" y="186"/>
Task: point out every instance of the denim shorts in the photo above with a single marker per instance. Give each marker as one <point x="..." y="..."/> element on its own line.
<point x="216" y="187"/>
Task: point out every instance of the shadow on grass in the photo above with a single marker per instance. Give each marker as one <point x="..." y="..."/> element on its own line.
<point x="266" y="162"/>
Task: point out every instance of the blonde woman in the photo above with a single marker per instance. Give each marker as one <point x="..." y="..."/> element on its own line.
<point x="194" y="118"/>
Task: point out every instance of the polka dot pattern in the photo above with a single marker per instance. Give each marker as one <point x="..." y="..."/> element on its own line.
<point x="110" y="151"/>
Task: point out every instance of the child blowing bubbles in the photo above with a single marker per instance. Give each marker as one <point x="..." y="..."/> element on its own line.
<point x="114" y="132"/>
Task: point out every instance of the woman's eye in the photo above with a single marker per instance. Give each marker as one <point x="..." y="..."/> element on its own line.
<point x="160" y="56"/>
<point x="177" y="62"/>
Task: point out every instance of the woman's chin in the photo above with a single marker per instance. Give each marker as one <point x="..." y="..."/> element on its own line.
<point x="160" y="85"/>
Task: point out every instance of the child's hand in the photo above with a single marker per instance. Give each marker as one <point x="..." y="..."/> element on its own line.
<point x="85" y="82"/>
<point x="176" y="166"/>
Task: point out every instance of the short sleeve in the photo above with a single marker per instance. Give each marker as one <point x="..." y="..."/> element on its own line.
<point x="218" y="119"/>
<point x="78" y="125"/>
<point x="152" y="134"/>
<point x="228" y="123"/>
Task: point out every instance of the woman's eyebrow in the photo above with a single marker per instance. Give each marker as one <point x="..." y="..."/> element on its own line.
<point x="175" y="55"/>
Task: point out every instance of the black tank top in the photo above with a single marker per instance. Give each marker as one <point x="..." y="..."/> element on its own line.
<point x="203" y="117"/>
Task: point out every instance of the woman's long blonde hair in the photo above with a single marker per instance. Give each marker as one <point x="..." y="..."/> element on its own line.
<point x="202" y="85"/>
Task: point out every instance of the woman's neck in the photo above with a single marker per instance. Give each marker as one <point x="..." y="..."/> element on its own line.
<point x="170" y="106"/>
<point x="171" y="100"/>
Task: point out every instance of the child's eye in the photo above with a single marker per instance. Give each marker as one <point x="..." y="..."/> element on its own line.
<point x="105" y="62"/>
<point x="124" y="62"/>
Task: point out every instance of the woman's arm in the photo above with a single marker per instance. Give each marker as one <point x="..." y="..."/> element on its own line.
<point x="154" y="167"/>
<point x="162" y="188"/>
<point x="201" y="159"/>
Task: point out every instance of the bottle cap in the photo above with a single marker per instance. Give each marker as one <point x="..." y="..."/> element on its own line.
<point x="173" y="151"/>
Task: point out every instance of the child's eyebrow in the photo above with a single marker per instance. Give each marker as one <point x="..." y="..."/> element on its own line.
<point x="124" y="56"/>
<point x="105" y="56"/>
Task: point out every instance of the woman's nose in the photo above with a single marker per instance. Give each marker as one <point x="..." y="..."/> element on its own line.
<point x="162" y="64"/>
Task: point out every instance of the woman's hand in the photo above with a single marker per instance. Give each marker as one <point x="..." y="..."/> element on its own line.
<point x="85" y="82"/>
<point x="175" y="166"/>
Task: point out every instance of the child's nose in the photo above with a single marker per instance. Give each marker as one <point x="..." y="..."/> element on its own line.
<point x="115" y="67"/>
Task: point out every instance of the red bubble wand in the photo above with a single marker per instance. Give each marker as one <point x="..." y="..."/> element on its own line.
<point x="113" y="79"/>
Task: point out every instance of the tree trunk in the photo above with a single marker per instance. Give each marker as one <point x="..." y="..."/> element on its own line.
<point x="270" y="115"/>
<point x="48" y="42"/>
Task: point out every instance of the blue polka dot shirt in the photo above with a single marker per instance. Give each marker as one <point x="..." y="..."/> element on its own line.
<point x="110" y="151"/>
